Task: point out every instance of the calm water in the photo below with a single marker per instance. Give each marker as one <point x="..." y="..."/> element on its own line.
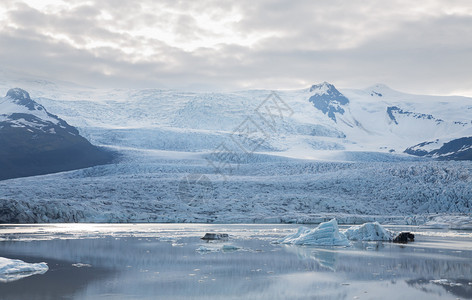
<point x="161" y="261"/>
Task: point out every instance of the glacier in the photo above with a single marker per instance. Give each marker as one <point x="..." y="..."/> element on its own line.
<point x="299" y="167"/>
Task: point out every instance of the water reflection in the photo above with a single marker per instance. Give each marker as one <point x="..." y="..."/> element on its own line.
<point x="458" y="287"/>
<point x="324" y="257"/>
<point x="155" y="268"/>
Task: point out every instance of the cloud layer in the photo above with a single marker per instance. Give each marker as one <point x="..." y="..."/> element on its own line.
<point x="423" y="47"/>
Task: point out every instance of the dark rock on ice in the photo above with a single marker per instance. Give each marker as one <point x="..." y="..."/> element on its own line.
<point x="404" y="237"/>
<point x="215" y="236"/>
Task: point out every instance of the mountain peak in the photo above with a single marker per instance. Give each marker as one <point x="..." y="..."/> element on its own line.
<point x="328" y="99"/>
<point x="22" y="97"/>
<point x="379" y="90"/>
<point x="18" y="94"/>
<point x="323" y="87"/>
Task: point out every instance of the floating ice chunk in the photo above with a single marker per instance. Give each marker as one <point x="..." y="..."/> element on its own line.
<point x="446" y="282"/>
<point x="15" y="269"/>
<point x="168" y="239"/>
<point x="204" y="249"/>
<point x="368" y="232"/>
<point x="81" y="265"/>
<point x="326" y="234"/>
<point x="230" y="248"/>
<point x="289" y="238"/>
<point x="224" y="248"/>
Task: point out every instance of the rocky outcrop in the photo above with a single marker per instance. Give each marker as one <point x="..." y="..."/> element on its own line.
<point x="35" y="142"/>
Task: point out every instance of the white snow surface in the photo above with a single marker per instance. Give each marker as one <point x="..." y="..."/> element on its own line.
<point x="325" y="234"/>
<point x="371" y="231"/>
<point x="195" y="121"/>
<point x="15" y="269"/>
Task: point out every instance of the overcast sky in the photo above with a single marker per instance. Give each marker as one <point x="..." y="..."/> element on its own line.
<point x="413" y="46"/>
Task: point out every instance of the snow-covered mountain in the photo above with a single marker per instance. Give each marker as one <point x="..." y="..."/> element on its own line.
<point x="452" y="149"/>
<point x="401" y="120"/>
<point x="376" y="119"/>
<point x="33" y="141"/>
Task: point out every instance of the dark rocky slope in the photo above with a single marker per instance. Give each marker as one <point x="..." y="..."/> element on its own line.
<point x="35" y="142"/>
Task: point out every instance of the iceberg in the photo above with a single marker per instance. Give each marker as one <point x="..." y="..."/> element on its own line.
<point x="289" y="238"/>
<point x="326" y="234"/>
<point x="15" y="269"/>
<point x="203" y="249"/>
<point x="372" y="231"/>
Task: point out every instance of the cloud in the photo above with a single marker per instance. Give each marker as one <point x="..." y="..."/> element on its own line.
<point x="416" y="47"/>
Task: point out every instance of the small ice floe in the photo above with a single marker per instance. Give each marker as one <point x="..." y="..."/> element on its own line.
<point x="224" y="248"/>
<point x="206" y="249"/>
<point x="81" y="265"/>
<point x="15" y="269"/>
<point x="229" y="248"/>
<point x="369" y="232"/>
<point x="215" y="236"/>
<point x="326" y="234"/>
<point x="446" y="282"/>
<point x="168" y="239"/>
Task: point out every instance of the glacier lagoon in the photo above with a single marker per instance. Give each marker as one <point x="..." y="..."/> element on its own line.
<point x="170" y="261"/>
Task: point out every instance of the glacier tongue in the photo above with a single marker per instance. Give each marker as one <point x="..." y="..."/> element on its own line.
<point x="326" y="234"/>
